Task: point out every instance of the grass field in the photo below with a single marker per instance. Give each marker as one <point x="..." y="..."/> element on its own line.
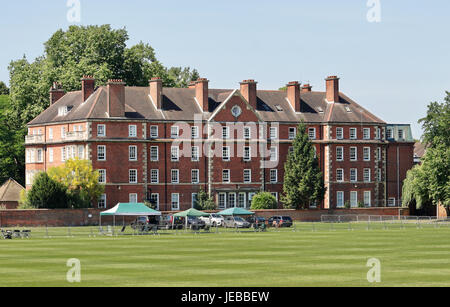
<point x="320" y="255"/>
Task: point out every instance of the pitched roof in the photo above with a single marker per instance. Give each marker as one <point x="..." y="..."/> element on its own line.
<point x="419" y="149"/>
<point x="179" y="104"/>
<point x="10" y="191"/>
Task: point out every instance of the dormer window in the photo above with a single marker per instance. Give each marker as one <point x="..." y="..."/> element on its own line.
<point x="63" y="111"/>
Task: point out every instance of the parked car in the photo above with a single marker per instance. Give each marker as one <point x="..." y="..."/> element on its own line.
<point x="213" y="220"/>
<point x="196" y="223"/>
<point x="168" y="222"/>
<point x="280" y="221"/>
<point x="256" y="220"/>
<point x="236" y="222"/>
<point x="140" y="222"/>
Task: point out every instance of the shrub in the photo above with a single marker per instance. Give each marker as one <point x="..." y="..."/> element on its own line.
<point x="47" y="193"/>
<point x="264" y="201"/>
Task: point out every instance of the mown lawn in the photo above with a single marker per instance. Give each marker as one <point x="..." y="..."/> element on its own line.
<point x="310" y="256"/>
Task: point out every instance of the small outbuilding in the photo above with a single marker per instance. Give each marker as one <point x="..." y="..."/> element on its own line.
<point x="10" y="194"/>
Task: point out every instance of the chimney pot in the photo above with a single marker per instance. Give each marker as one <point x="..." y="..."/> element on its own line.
<point x="306" y="88"/>
<point x="56" y="92"/>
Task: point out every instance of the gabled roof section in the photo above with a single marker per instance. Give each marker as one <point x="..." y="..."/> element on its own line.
<point x="10" y="191"/>
<point x="235" y="93"/>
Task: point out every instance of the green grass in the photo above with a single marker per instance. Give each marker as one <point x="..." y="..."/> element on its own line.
<point x="323" y="255"/>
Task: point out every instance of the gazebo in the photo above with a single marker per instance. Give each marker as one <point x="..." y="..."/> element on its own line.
<point x="129" y="209"/>
<point x="236" y="212"/>
<point x="189" y="213"/>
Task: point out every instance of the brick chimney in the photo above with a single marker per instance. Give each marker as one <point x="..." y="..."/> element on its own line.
<point x="307" y="88"/>
<point x="202" y="93"/>
<point x="248" y="90"/>
<point x="116" y="98"/>
<point x="293" y="95"/>
<point x="87" y="87"/>
<point x="192" y="84"/>
<point x="332" y="89"/>
<point x="156" y="92"/>
<point x="56" y="92"/>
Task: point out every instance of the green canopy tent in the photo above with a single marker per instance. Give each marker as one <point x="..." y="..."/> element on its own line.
<point x="235" y="212"/>
<point x="189" y="213"/>
<point x="130" y="209"/>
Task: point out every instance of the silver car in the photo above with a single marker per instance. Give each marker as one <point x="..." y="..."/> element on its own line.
<point x="214" y="220"/>
<point x="236" y="222"/>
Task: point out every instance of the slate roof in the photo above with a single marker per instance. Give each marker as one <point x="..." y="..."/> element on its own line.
<point x="179" y="105"/>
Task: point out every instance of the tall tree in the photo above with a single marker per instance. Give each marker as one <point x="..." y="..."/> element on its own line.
<point x="303" y="179"/>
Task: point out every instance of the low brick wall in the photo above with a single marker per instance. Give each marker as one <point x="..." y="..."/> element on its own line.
<point x="90" y="217"/>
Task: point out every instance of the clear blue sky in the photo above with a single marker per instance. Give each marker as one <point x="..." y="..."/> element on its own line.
<point x="394" y="68"/>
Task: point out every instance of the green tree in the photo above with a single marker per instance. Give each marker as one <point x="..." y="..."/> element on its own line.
<point x="47" y="193"/>
<point x="430" y="182"/>
<point x="303" y="179"/>
<point x="81" y="182"/>
<point x="204" y="201"/>
<point x="4" y="90"/>
<point x="264" y="201"/>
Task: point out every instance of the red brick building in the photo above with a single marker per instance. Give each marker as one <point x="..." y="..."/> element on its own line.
<point x="166" y="144"/>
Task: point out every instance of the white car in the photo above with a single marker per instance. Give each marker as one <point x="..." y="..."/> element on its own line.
<point x="213" y="220"/>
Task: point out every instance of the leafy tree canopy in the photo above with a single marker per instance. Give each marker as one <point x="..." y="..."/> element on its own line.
<point x="264" y="201"/>
<point x="47" y="193"/>
<point x="204" y="201"/>
<point x="303" y="180"/>
<point x="4" y="90"/>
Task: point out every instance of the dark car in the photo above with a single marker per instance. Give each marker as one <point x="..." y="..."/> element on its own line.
<point x="280" y="221"/>
<point x="171" y="222"/>
<point x="256" y="220"/>
<point x="196" y="223"/>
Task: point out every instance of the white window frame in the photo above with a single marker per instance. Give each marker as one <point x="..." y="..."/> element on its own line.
<point x="132" y="197"/>
<point x="232" y="200"/>
<point x="102" y="199"/>
<point x="340" y="199"/>
<point x="368" y="198"/>
<point x="339" y="133"/>
<point x="273" y="176"/>
<point x="354" y="175"/>
<point x="247" y="133"/>
<point x="99" y="131"/>
<point x="174" y="132"/>
<point x="195" y="132"/>
<point x="195" y="153"/>
<point x="367" y="133"/>
<point x="194" y="199"/>
<point x="389" y="133"/>
<point x="225" y="132"/>
<point x="226" y="153"/>
<point x="353" y="134"/>
<point x="226" y="176"/>
<point x="354" y="150"/>
<point x="50" y="133"/>
<point x="247" y="154"/>
<point x="154" y="176"/>
<point x="340" y="153"/>
<point x="51" y="155"/>
<point x="273" y="133"/>
<point x="273" y="153"/>
<point x="247" y="176"/>
<point x="101" y="148"/>
<point x="132" y="131"/>
<point x="175" y="154"/>
<point x="175" y="176"/>
<point x="242" y="200"/>
<point x="401" y="134"/>
<point x="102" y="176"/>
<point x="367" y="154"/>
<point x="392" y="202"/>
<point x="175" y="201"/>
<point x="222" y="200"/>
<point x="155" y="196"/>
<point x="367" y="175"/>
<point x="292" y="133"/>
<point x="354" y="199"/>
<point x="195" y="176"/>
<point x="130" y="151"/>
<point x="153" y="153"/>
<point x="340" y="171"/>
<point x="154" y="132"/>
<point x="131" y="173"/>
<point x="312" y="133"/>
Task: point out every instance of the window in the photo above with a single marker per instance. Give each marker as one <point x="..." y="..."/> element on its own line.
<point x="339" y="175"/>
<point x="354" y="199"/>
<point x="247" y="176"/>
<point x="175" y="201"/>
<point x="154" y="199"/>
<point x="222" y="200"/>
<point x="366" y="153"/>
<point x="225" y="133"/>
<point x="132" y="131"/>
<point x="194" y="132"/>
<point x="133" y="198"/>
<point x="401" y="134"/>
<point x="312" y="133"/>
<point x="367" y="198"/>
<point x="154" y="133"/>
<point x="274" y="194"/>
<point x="195" y="176"/>
<point x="340" y="200"/>
<point x="391" y="202"/>
<point x="250" y="198"/>
<point x="132" y="153"/>
<point x="175" y="154"/>
<point x="379" y="154"/>
<point x="273" y="175"/>
<point x="247" y="133"/>
<point x="133" y="176"/>
<point x="226" y="176"/>
<point x="50" y="133"/>
<point x="340" y="153"/>
<point x="353" y="175"/>
<point x="63" y="132"/>
<point x="226" y="153"/>
<point x="174" y="132"/>
<point x="175" y="176"/>
<point x="292" y="133"/>
<point x="378" y="134"/>
<point x="340" y="133"/>
<point x="195" y="156"/>
<point x="379" y="175"/>
<point x="367" y="175"/>
<point x="63" y="155"/>
<point x="154" y="176"/>
<point x="101" y="153"/>
<point x="102" y="176"/>
<point x="101" y="130"/>
<point x="242" y="200"/>
<point x="102" y="202"/>
<point x="232" y="200"/>
<point x="81" y="151"/>
<point x="247" y="154"/>
<point x="353" y="154"/>
<point x="273" y="154"/>
<point x="353" y="134"/>
<point x="389" y="133"/>
<point x="154" y="153"/>
<point x="273" y="133"/>
<point x="40" y="158"/>
<point x="366" y="133"/>
<point x="50" y="155"/>
<point x="194" y="199"/>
